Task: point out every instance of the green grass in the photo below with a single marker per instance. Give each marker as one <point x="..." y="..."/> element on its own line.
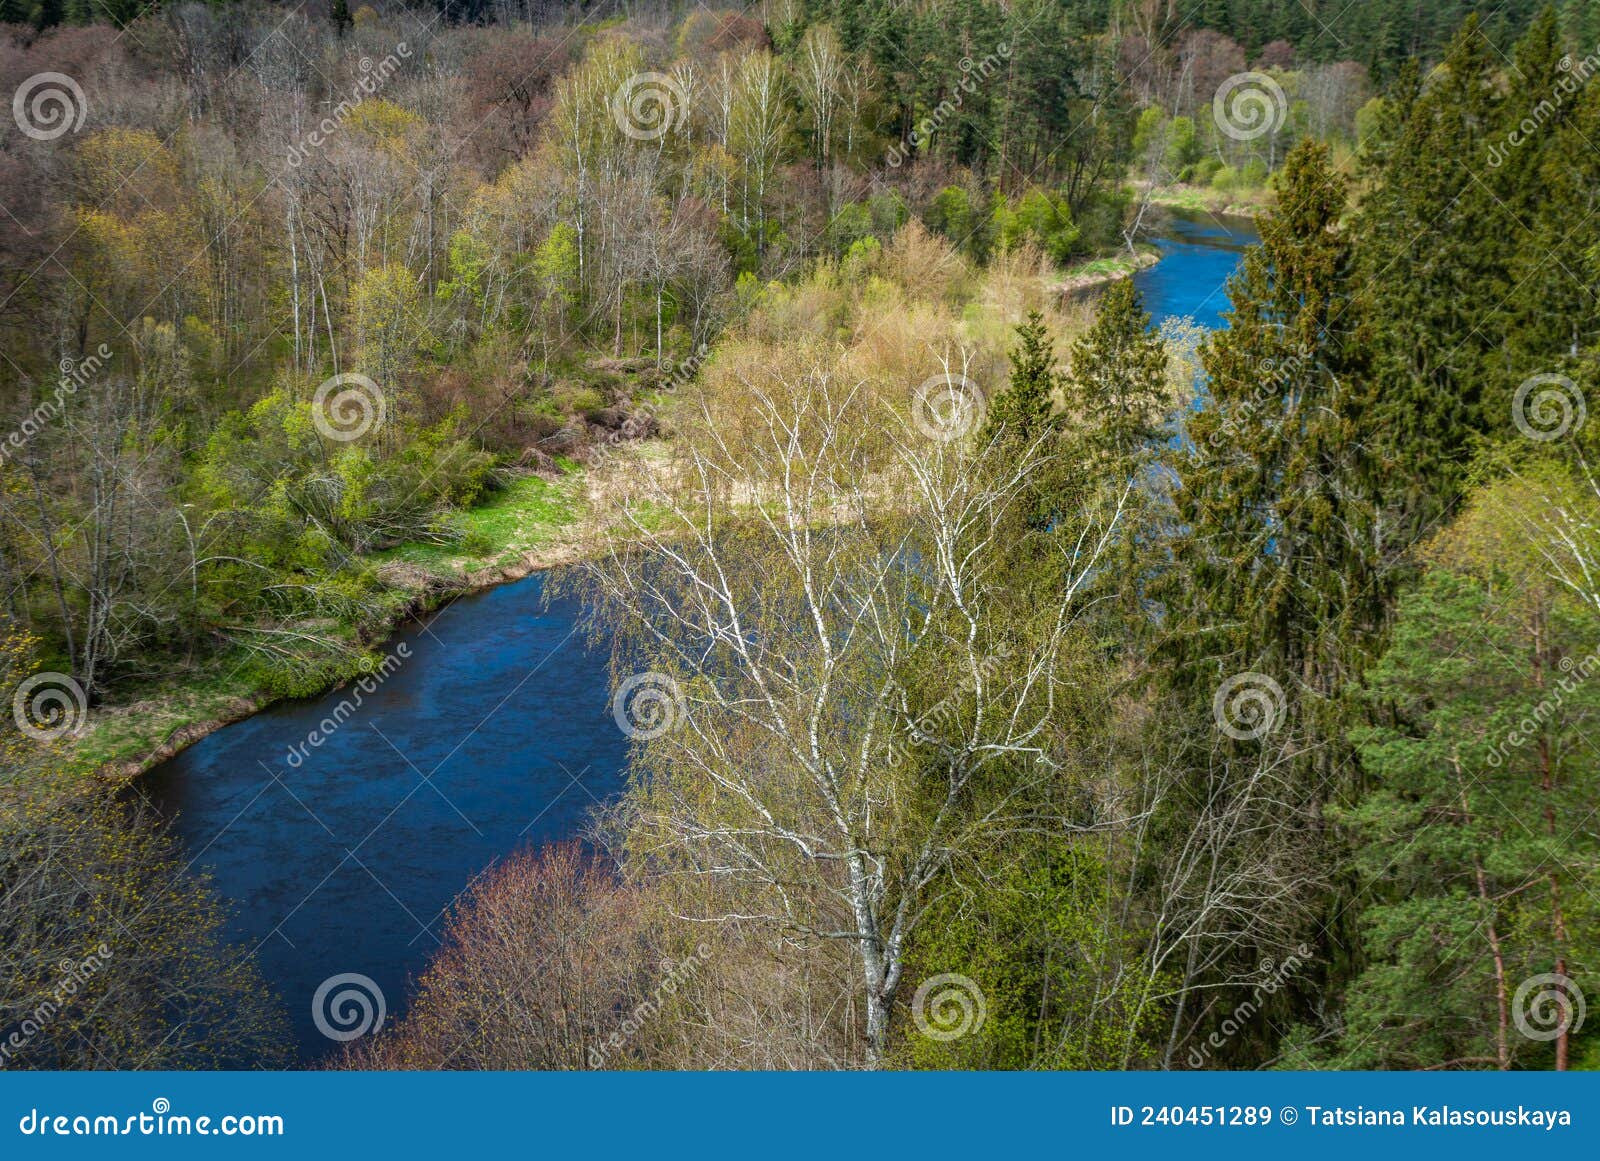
<point x="526" y="514"/>
<point x="129" y="732"/>
<point x="1102" y="266"/>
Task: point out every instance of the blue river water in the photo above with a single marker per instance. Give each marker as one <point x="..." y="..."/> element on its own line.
<point x="492" y="731"/>
<point x="1199" y="253"/>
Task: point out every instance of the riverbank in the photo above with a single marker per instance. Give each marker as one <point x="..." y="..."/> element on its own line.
<point x="1104" y="271"/>
<point x="532" y="524"/>
<point x="1200" y="199"/>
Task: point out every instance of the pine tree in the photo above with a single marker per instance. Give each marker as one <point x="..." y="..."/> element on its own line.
<point x="1551" y="311"/>
<point x="1435" y="254"/>
<point x="1462" y="843"/>
<point x="339" y="16"/>
<point x="1276" y="492"/>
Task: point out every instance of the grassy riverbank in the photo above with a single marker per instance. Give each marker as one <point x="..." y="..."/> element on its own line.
<point x="529" y="524"/>
<point x="1102" y="271"/>
<point x="1201" y="199"/>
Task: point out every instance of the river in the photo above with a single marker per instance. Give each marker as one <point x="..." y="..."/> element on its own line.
<point x="490" y="730"/>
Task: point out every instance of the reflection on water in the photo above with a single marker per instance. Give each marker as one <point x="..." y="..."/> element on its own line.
<point x="493" y="732"/>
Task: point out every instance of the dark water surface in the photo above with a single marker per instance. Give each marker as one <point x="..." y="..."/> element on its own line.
<point x="494" y="733"/>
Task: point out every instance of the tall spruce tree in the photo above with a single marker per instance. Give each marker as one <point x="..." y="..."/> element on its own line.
<point x="1275" y="584"/>
<point x="1023" y="412"/>
<point x="1117" y="386"/>
<point x="1276" y="491"/>
<point x="1435" y="257"/>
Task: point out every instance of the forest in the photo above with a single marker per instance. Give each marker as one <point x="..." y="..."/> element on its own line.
<point x="1010" y="680"/>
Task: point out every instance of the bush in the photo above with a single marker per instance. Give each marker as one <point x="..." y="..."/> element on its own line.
<point x="114" y="954"/>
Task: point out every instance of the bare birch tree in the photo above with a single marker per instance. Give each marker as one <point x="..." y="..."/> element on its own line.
<point x="790" y="591"/>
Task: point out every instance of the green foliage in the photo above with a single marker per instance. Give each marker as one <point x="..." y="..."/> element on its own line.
<point x="1478" y="879"/>
<point x="115" y="955"/>
<point x="1044" y="219"/>
<point x="1039" y="942"/>
<point x="1117" y="387"/>
<point x="1022" y="413"/>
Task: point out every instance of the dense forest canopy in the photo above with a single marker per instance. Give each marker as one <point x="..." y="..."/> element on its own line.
<point x="1033" y="686"/>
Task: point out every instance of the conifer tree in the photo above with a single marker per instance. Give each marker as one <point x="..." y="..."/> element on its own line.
<point x="1275" y="583"/>
<point x="1022" y="412"/>
<point x="1435" y="252"/>
<point x="1117" y="385"/>
<point x="1276" y="492"/>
